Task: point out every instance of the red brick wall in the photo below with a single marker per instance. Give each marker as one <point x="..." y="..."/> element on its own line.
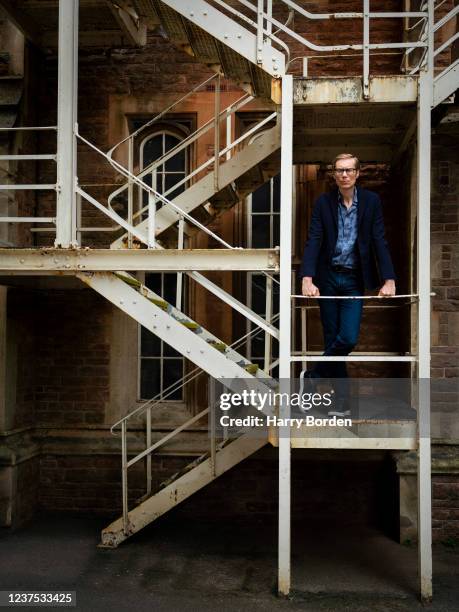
<point x="72" y="356"/>
<point x="445" y="507"/>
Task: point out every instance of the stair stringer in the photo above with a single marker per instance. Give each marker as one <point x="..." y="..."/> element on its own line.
<point x="182" y="488"/>
<point x="203" y="190"/>
<point x="186" y="342"/>
<point x="446" y="84"/>
<point x="231" y="34"/>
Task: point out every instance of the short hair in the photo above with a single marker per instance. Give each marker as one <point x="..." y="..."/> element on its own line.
<point x="347" y="156"/>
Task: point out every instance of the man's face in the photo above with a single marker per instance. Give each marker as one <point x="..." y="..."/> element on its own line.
<point x="345" y="173"/>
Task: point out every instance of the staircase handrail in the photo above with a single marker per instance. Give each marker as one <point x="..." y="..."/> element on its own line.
<point x="203" y="129"/>
<point x="161" y="114"/>
<point x="438" y="25"/>
<point x="202" y="167"/>
<point x="182" y="382"/>
<point x="149" y="190"/>
<point x="266" y="22"/>
<point x="423" y="36"/>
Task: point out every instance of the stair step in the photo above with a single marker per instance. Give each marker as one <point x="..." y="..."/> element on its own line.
<point x="189" y="324"/>
<point x="252" y="368"/>
<point x="129" y="280"/>
<point x="220" y="346"/>
<point x="158" y="302"/>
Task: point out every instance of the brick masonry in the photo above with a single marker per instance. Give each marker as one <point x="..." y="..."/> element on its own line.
<point x="63" y="354"/>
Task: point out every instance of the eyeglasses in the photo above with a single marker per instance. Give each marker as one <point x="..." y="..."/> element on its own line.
<point x="341" y="171"/>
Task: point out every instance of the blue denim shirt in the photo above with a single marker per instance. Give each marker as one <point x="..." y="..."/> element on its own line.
<point x="345" y="250"/>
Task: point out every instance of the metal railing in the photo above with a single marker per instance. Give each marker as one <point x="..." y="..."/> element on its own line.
<point x="147" y="408"/>
<point x="258" y="17"/>
<point x="30" y="186"/>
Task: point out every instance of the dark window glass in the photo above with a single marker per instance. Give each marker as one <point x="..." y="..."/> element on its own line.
<point x="276" y="193"/>
<point x="258" y="294"/>
<point x="150" y="344"/>
<point x="173" y="372"/>
<point x="260" y="231"/>
<point x="152" y="149"/>
<point x="171" y="180"/>
<point x="177" y="162"/>
<point x="153" y="282"/>
<point x="276" y="231"/>
<point x="150" y="378"/>
<point x="261" y="198"/>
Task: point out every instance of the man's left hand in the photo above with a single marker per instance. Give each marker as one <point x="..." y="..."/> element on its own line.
<point x="387" y="289"/>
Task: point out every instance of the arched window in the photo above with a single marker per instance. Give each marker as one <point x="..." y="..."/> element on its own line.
<point x="172" y="171"/>
<point x="160" y="364"/>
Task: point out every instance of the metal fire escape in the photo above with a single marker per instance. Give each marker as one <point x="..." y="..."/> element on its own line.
<point x="248" y="43"/>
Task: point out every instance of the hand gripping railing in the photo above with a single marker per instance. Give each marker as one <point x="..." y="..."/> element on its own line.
<point x="263" y="22"/>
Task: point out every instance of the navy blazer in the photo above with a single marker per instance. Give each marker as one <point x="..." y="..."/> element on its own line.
<point x="372" y="249"/>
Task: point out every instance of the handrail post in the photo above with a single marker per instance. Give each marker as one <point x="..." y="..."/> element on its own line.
<point x="148" y="444"/>
<point x="366" y="49"/>
<point x="269" y="25"/>
<point x="217" y="132"/>
<point x="229" y="134"/>
<point x="151" y="221"/>
<point x="213" y="447"/>
<point x="67" y="87"/>
<point x="130" y="189"/>
<point x="268" y="316"/>
<point x="124" y="478"/>
<point x="181" y="229"/>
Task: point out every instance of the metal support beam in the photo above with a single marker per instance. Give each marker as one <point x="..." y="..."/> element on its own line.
<point x="48" y="261"/>
<point x="423" y="333"/>
<point x="134" y="31"/>
<point x="66" y="120"/>
<point x="284" y="331"/>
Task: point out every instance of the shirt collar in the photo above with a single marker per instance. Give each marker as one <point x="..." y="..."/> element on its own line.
<point x="355" y="199"/>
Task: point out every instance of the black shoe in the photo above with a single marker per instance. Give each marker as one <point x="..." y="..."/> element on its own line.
<point x="341" y="409"/>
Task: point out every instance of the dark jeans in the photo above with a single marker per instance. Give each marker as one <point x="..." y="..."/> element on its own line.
<point x="341" y="324"/>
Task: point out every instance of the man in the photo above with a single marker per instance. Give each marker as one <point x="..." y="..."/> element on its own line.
<point x="346" y="233"/>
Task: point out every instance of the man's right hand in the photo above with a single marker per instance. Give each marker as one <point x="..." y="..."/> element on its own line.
<point x="308" y="288"/>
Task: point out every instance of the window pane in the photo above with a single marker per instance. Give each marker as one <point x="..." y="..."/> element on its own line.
<point x="276" y="193"/>
<point x="261" y="198"/>
<point x="168" y="351"/>
<point x="152" y="149"/>
<point x="171" y="180"/>
<point x="260" y="231"/>
<point x="170" y="142"/>
<point x="170" y="287"/>
<point x="150" y="344"/>
<point x="149" y="378"/>
<point x="276" y="231"/>
<point x="153" y="281"/>
<point x="172" y="372"/>
<point x="258" y="294"/>
<point x="176" y="163"/>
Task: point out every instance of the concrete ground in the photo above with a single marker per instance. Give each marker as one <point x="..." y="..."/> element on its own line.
<point x="172" y="566"/>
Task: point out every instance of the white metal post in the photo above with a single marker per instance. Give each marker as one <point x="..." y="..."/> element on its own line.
<point x="148" y="445"/>
<point x="217" y="133"/>
<point x="425" y="96"/>
<point x="366" y="49"/>
<point x="284" y="330"/>
<point x="130" y="211"/>
<point x="268" y="316"/>
<point x="67" y="88"/>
